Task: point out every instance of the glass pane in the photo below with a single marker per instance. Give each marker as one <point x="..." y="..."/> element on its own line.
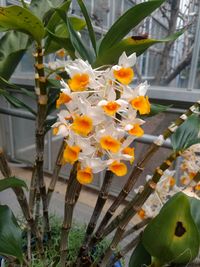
<point x="101" y="13"/>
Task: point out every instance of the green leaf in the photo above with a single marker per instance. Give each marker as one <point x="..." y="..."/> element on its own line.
<point x="21" y="19"/>
<point x="89" y="24"/>
<point x="127" y="22"/>
<point x="140" y="257"/>
<point x="130" y="45"/>
<point x="15" y="101"/>
<point x="156" y="109"/>
<point x="178" y="240"/>
<point x="13" y="46"/>
<point x="187" y="134"/>
<point x="10" y="234"/>
<point x="11" y="182"/>
<point x="195" y="210"/>
<point x="77" y="43"/>
<point x="5" y="84"/>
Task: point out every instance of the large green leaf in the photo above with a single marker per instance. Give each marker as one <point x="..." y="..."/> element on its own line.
<point x="10" y="234"/>
<point x="89" y="24"/>
<point x="17" y="103"/>
<point x="195" y="210"/>
<point x="178" y="237"/>
<point x="127" y="22"/>
<point x="13" y="45"/>
<point x="11" y="182"/>
<point x="21" y="19"/>
<point x="140" y="257"/>
<point x="187" y="134"/>
<point x="130" y="45"/>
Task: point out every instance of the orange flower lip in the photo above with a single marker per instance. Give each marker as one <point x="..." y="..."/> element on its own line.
<point x="129" y="151"/>
<point x="136" y="130"/>
<point x="82" y="125"/>
<point x="79" y="82"/>
<point x="109" y="143"/>
<point x="85" y="176"/>
<point x="118" y="168"/>
<point x="124" y="75"/>
<point x="111" y="108"/>
<point x="141" y="104"/>
<point x="63" y="99"/>
<point x="71" y="154"/>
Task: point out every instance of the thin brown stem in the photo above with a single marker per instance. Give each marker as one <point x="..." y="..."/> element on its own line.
<point x="138" y="169"/>
<point x="71" y="197"/>
<point x="101" y="200"/>
<point x="136" y="227"/>
<point x="56" y="171"/>
<point x="21" y="197"/>
<point x="122" y="220"/>
<point x="32" y="193"/>
<point x="40" y="133"/>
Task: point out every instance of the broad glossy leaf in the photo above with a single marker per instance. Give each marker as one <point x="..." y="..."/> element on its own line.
<point x="11" y="182"/>
<point x="195" y="210"/>
<point x="21" y="19"/>
<point x="127" y="22"/>
<point x="17" y="103"/>
<point x="10" y="234"/>
<point x="139" y="257"/>
<point x="187" y="134"/>
<point x="89" y="24"/>
<point x="177" y="234"/>
<point x="130" y="45"/>
<point x="13" y="46"/>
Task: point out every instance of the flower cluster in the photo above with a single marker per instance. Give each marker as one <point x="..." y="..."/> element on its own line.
<point x="100" y="119"/>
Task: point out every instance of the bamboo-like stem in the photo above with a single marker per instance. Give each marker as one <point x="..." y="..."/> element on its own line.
<point x="71" y="197"/>
<point x="32" y="193"/>
<point x="28" y="244"/>
<point x="120" y="254"/>
<point x="138" y="169"/>
<point x="40" y="133"/>
<point x="37" y="206"/>
<point x="56" y="171"/>
<point x="101" y="200"/>
<point x="21" y="197"/>
<point x="133" y="207"/>
<point x="136" y="227"/>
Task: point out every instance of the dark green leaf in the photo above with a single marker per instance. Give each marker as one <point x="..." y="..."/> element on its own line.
<point x="127" y="22"/>
<point x="140" y="257"/>
<point x="156" y="109"/>
<point x="15" y="101"/>
<point x="49" y="123"/>
<point x="13" y="45"/>
<point x="10" y="234"/>
<point x="195" y="210"/>
<point x="5" y="84"/>
<point x="130" y="45"/>
<point x="11" y="182"/>
<point x="89" y="24"/>
<point x="77" y="43"/>
<point x="53" y="95"/>
<point x="186" y="134"/>
<point x="21" y="19"/>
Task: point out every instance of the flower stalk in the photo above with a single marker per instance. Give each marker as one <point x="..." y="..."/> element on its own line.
<point x="138" y="169"/>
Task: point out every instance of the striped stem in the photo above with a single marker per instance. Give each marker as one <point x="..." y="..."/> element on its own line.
<point x="71" y="197"/>
<point x="40" y="134"/>
<point x="56" y="171"/>
<point x="122" y="220"/>
<point x="138" y="169"/>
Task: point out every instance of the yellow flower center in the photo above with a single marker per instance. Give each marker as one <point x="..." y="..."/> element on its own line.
<point x="197" y="187"/>
<point x="63" y="99"/>
<point x="172" y="181"/>
<point x="124" y="75"/>
<point x="109" y="143"/>
<point x="71" y="154"/>
<point x="61" y="53"/>
<point x="85" y="176"/>
<point x="55" y="130"/>
<point x="129" y="151"/>
<point x="141" y="104"/>
<point x="82" y="125"/>
<point x="141" y="213"/>
<point x="111" y="108"/>
<point x="118" y="168"/>
<point x="79" y="82"/>
<point x="136" y="130"/>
